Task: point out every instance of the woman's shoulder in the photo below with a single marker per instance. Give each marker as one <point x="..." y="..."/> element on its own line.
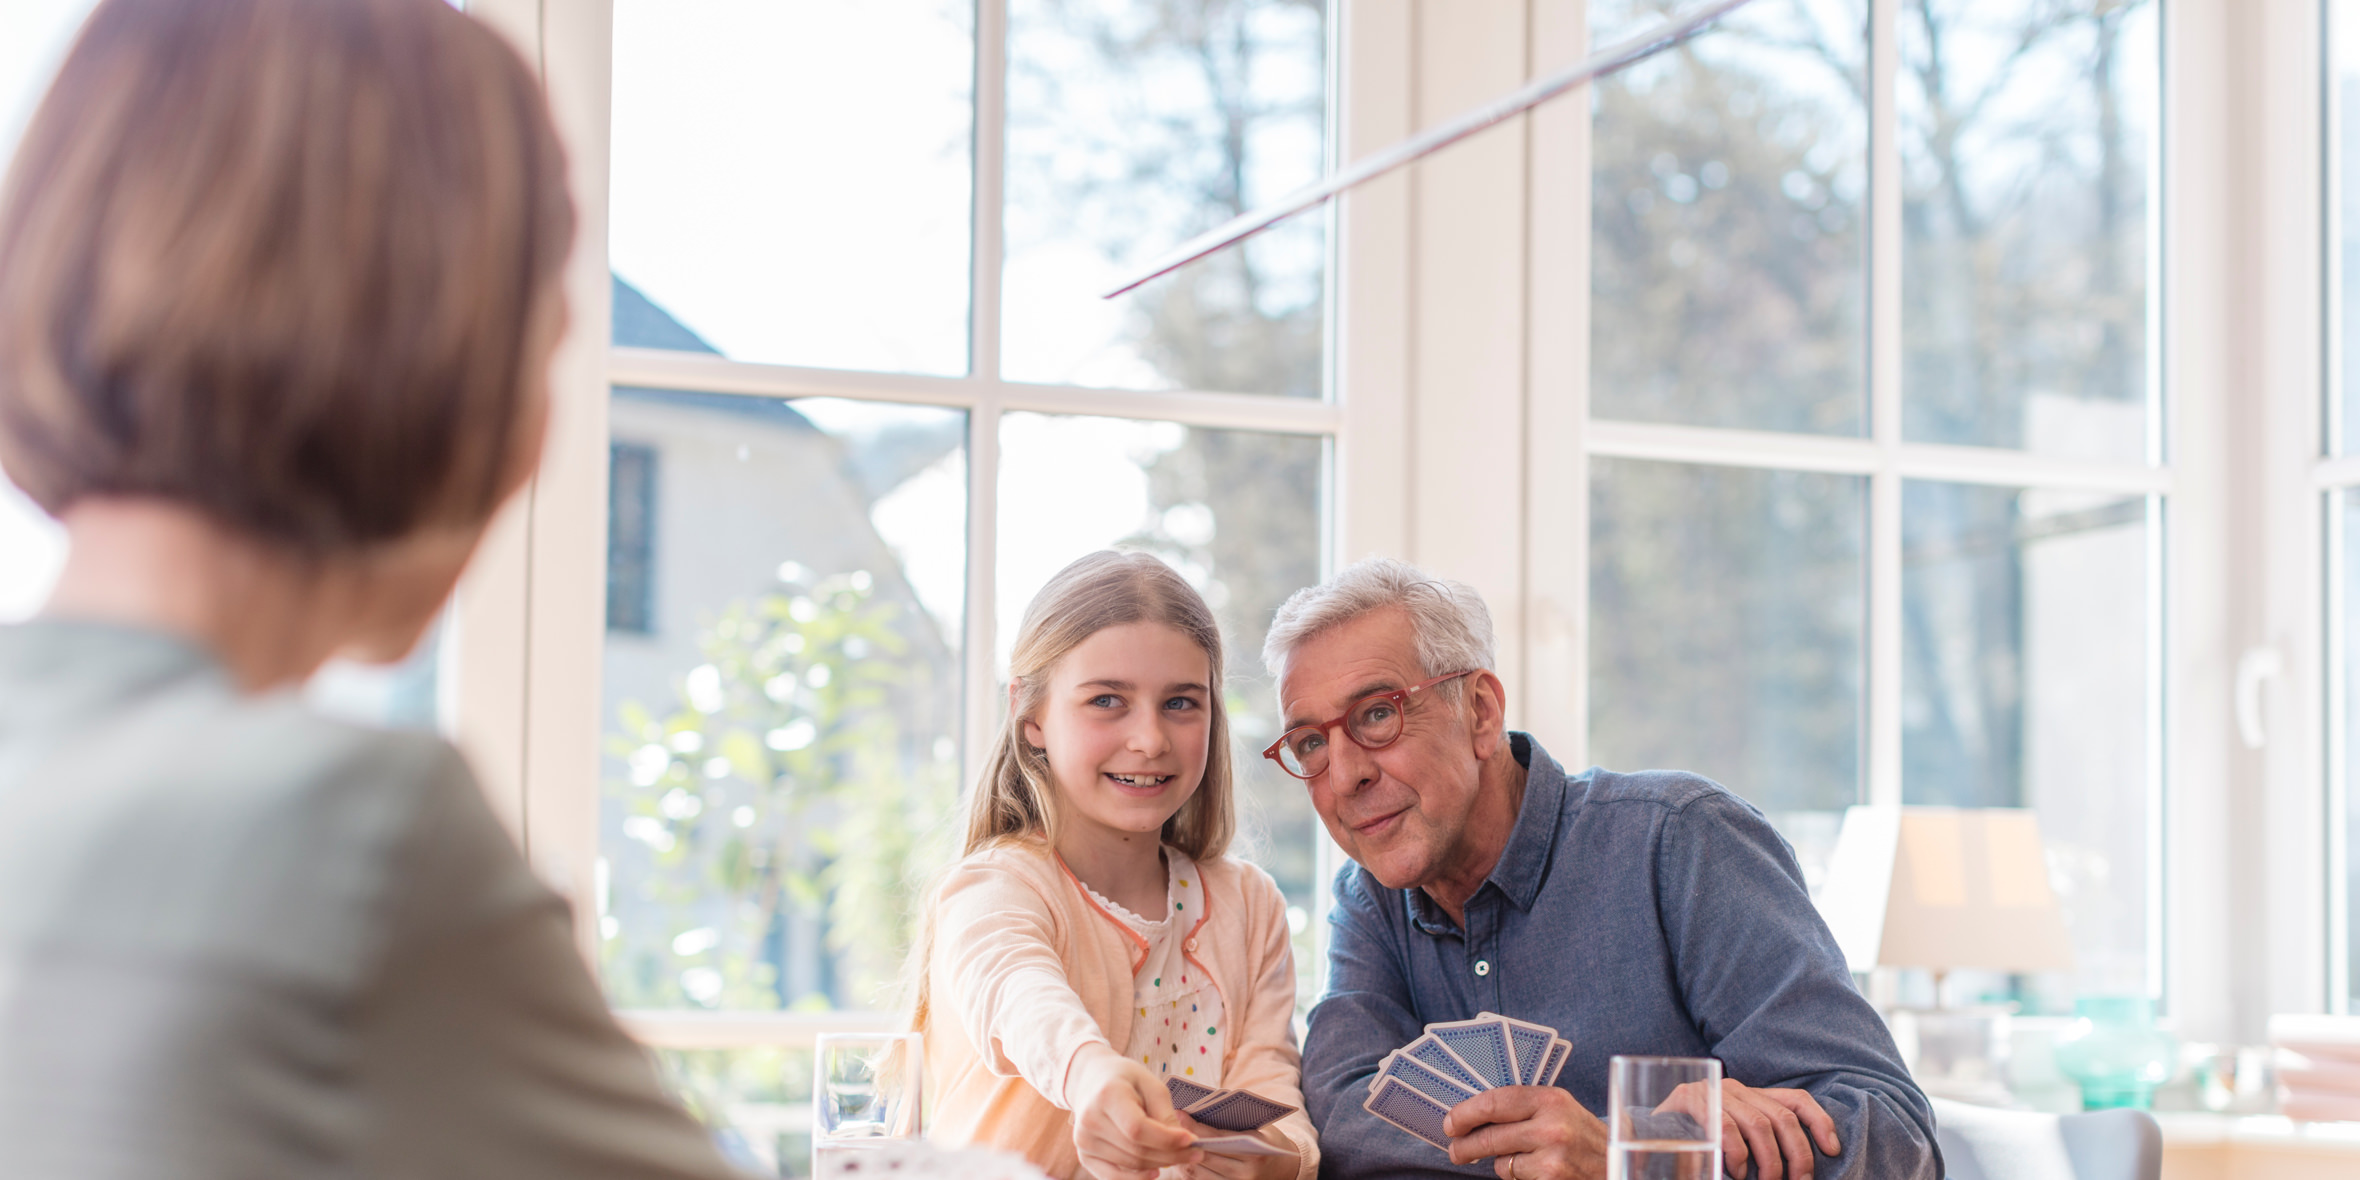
<point x="234" y="828"/>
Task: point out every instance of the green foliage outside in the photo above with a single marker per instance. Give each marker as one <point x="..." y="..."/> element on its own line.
<point x="780" y="780"/>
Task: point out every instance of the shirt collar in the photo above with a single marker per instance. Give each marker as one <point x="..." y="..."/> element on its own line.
<point x="1525" y="861"/>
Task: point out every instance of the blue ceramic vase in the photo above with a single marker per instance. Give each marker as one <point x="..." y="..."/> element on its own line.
<point x="2115" y="1052"/>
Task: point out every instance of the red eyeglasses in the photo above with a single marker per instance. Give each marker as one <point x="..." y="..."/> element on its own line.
<point x="1373" y="723"/>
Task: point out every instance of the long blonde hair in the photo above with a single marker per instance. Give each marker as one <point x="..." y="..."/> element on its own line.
<point x="1015" y="800"/>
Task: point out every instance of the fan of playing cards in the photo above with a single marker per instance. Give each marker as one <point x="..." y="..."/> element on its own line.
<point x="1240" y="1112"/>
<point x="1420" y="1082"/>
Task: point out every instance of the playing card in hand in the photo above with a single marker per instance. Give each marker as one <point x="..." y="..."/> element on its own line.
<point x="1409" y="1110"/>
<point x="1416" y="1086"/>
<point x="1417" y="1076"/>
<point x="1481" y="1043"/>
<point x="1186" y="1093"/>
<point x="1239" y="1145"/>
<point x="1225" y="1110"/>
<point x="1239" y="1110"/>
<point x="1434" y="1055"/>
<point x="1528" y="1044"/>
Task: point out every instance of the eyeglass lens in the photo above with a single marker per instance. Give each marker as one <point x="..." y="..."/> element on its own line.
<point x="1373" y="723"/>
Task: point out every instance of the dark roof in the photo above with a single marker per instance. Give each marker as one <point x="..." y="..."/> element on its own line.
<point x="639" y="323"/>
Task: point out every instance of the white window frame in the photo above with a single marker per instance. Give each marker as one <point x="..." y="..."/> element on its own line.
<point x="1461" y="440"/>
<point x="531" y="624"/>
<point x="1496" y="232"/>
<point x="1885" y="458"/>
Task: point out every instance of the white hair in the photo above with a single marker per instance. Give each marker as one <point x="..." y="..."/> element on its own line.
<point x="1451" y="625"/>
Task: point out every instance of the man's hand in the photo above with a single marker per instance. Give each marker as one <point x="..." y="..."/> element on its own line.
<point x="1124" y="1127"/>
<point x="1532" y="1133"/>
<point x="1772" y="1128"/>
<point x="1238" y="1167"/>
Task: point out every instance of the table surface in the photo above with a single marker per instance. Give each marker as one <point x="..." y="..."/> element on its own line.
<point x="2199" y="1129"/>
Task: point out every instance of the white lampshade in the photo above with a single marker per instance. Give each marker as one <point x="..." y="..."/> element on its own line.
<point x="1943" y="888"/>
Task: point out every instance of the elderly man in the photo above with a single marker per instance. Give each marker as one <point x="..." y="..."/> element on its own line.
<point x="1651" y="913"/>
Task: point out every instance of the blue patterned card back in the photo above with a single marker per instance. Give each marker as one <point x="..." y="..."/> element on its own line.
<point x="1414" y="1074"/>
<point x="1558" y="1052"/>
<point x="1409" y="1110"/>
<point x="1186" y="1093"/>
<point x="1482" y="1044"/>
<point x="1240" y="1110"/>
<point x="1438" y="1057"/>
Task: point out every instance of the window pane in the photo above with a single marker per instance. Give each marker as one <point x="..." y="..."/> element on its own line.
<point x="1725" y="634"/>
<point x="2027" y="135"/>
<point x="1726" y="234"/>
<point x="1239" y="515"/>
<point x="2343" y="259"/>
<point x="33" y="38"/>
<point x="2343" y="661"/>
<point x="791" y="182"/>
<point x="2024" y="684"/>
<point x="404" y="695"/>
<point x="781" y="735"/>
<point x="1132" y="125"/>
<point x="757" y="1103"/>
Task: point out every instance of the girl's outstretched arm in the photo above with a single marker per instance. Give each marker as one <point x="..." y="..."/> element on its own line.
<point x="995" y="959"/>
<point x="1264" y="1058"/>
<point x="1124" y="1127"/>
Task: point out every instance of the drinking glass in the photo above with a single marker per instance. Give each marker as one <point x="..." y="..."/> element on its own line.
<point x="865" y="1093"/>
<point x="1663" y="1118"/>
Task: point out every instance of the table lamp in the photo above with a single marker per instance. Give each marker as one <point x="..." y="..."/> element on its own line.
<point x="1945" y="888"/>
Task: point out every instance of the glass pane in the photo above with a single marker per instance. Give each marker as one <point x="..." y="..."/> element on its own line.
<point x="1133" y="125"/>
<point x="2027" y="136"/>
<point x="781" y="698"/>
<point x="1725" y="634"/>
<point x="2343" y="605"/>
<point x="791" y="182"/>
<point x="32" y="550"/>
<point x="1727" y="235"/>
<point x="33" y="38"/>
<point x="2024" y="684"/>
<point x="2343" y="260"/>
<point x="1239" y="515"/>
<point x="756" y="1101"/>
<point x="406" y="695"/>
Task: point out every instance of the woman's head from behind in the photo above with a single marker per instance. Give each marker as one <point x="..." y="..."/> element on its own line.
<point x="292" y="265"/>
<point x="1116" y="719"/>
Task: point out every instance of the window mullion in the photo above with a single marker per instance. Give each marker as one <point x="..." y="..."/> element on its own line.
<point x="1883" y="720"/>
<point x="979" y="702"/>
<point x="991" y="158"/>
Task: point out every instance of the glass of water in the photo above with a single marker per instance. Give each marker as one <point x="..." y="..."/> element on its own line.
<point x="1663" y="1118"/>
<point x="865" y="1093"/>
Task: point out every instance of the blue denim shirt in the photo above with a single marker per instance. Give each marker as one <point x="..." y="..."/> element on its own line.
<point x="1651" y="913"/>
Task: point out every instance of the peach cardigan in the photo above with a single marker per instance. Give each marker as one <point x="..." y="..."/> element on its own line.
<point x="1025" y="970"/>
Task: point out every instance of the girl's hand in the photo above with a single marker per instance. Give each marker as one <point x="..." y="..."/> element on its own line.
<point x="1124" y="1127"/>
<point x="1239" y="1167"/>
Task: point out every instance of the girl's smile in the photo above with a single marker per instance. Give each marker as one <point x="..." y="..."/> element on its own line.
<point x="1142" y="784"/>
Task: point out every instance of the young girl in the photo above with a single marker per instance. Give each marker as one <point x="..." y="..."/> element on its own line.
<point x="1094" y="941"/>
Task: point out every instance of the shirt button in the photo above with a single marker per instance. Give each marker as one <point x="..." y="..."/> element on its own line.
<point x="1189" y="946"/>
<point x="1482" y="966"/>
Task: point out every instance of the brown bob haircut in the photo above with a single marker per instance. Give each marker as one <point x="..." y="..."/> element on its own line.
<point x="281" y="261"/>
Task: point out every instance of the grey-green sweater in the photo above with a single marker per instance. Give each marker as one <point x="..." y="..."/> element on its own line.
<point x="241" y="941"/>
